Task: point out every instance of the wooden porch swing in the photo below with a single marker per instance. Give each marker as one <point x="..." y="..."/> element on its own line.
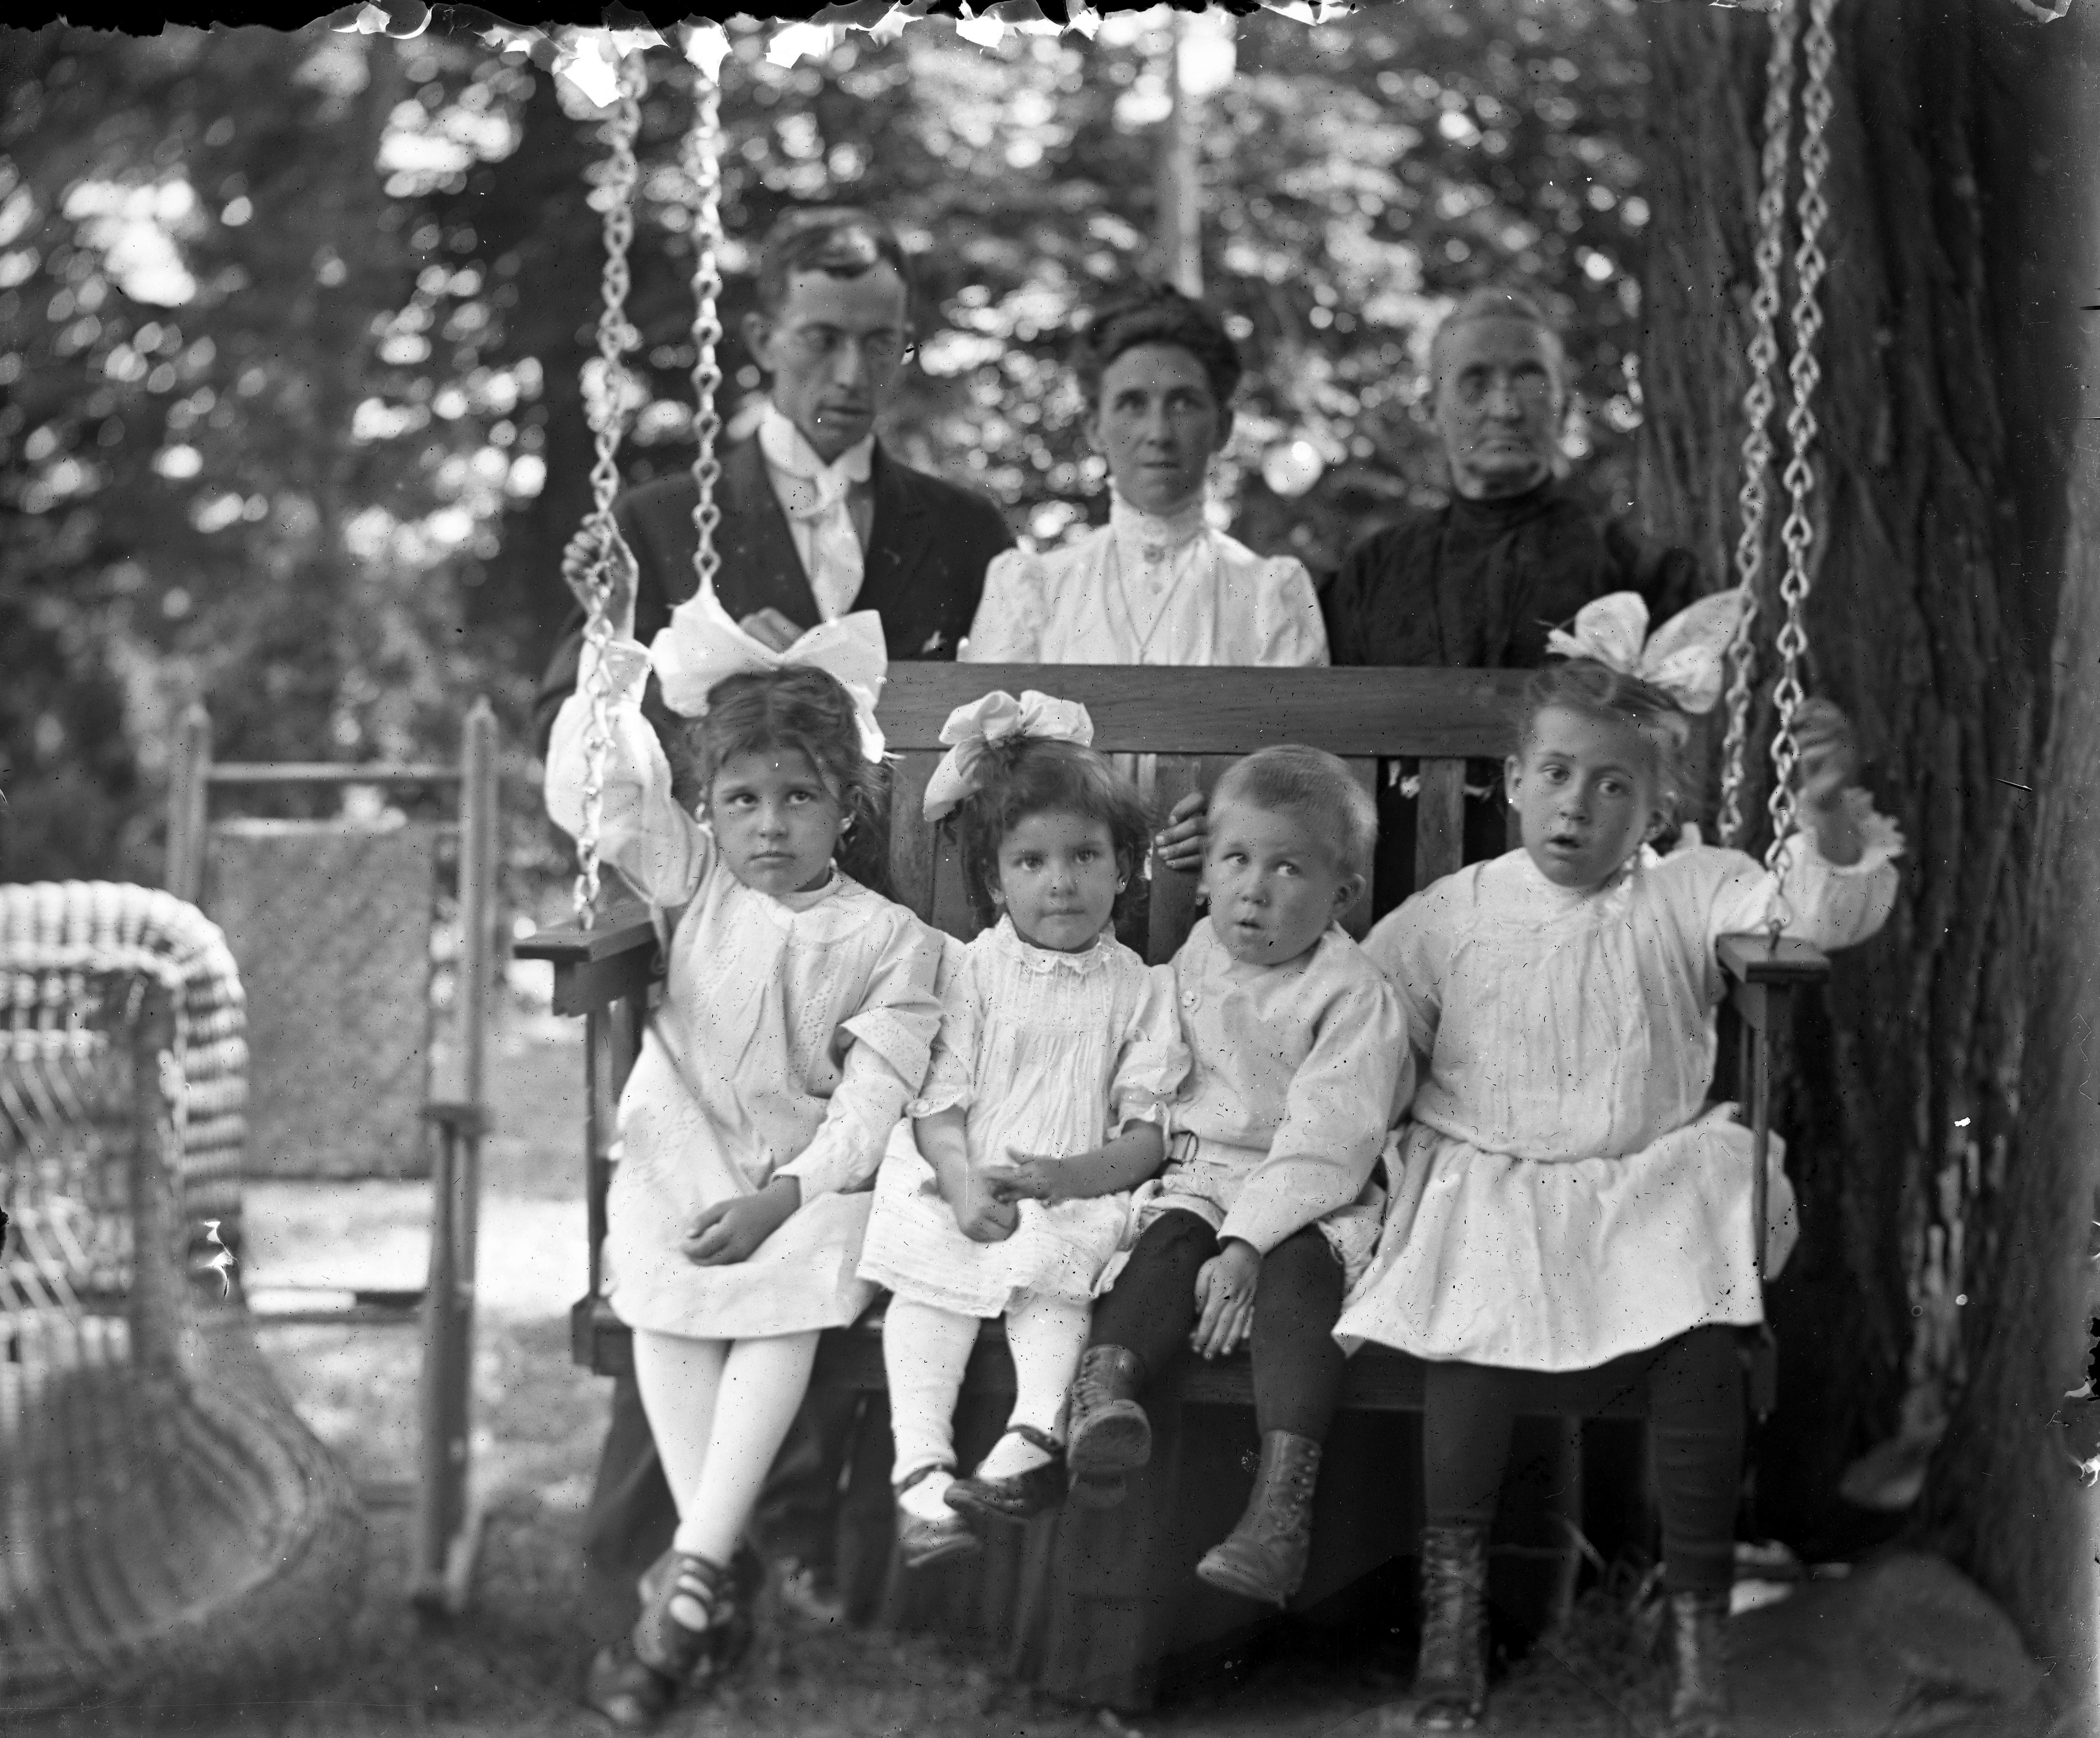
<point x="1081" y="1604"/>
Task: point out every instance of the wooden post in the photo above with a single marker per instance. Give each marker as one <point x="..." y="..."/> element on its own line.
<point x="449" y="1523"/>
<point x="1180" y="182"/>
<point x="189" y="771"/>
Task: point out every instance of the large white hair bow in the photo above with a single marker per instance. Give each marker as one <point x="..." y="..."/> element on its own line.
<point x="704" y="644"/>
<point x="973" y="731"/>
<point x="1682" y="657"/>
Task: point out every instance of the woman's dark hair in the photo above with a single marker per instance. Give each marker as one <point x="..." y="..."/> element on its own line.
<point x="1032" y="775"/>
<point x="1596" y="690"/>
<point x="806" y="710"/>
<point x="1155" y="314"/>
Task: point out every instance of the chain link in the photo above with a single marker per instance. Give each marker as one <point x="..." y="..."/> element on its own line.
<point x="1757" y="403"/>
<point x="605" y="402"/>
<point x="704" y="168"/>
<point x="1798" y="533"/>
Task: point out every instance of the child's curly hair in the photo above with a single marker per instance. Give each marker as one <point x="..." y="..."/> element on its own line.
<point x="1037" y="775"/>
<point x="806" y="710"/>
<point x="1596" y="690"/>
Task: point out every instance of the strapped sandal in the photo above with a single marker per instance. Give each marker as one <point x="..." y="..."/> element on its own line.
<point x="1024" y="1496"/>
<point x="663" y="1643"/>
<point x="922" y="1542"/>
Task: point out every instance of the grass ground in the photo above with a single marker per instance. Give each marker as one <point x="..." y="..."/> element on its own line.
<point x="508" y="1668"/>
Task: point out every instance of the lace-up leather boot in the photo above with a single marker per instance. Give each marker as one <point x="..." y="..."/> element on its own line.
<point x="1264" y="1557"/>
<point x="1451" y="1675"/>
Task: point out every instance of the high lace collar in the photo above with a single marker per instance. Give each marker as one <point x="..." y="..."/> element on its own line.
<point x="1045" y="960"/>
<point x="1152" y="536"/>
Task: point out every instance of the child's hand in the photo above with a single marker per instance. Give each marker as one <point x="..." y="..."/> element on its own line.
<point x="731" y="1231"/>
<point x="981" y="1216"/>
<point x="577" y="560"/>
<point x="1828" y="763"/>
<point x="1225" y="1291"/>
<point x="1829" y="758"/>
<point x="1180" y="842"/>
<point x="1019" y="1177"/>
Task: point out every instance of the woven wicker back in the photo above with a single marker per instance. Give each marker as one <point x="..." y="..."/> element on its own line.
<point x="167" y="1519"/>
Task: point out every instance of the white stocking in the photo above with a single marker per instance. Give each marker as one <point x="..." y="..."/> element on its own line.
<point x="924" y="1350"/>
<point x="1047" y="1336"/>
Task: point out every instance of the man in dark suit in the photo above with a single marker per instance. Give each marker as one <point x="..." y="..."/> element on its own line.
<point x="816" y="518"/>
<point x="817" y="521"/>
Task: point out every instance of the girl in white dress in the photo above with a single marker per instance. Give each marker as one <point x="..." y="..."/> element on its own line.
<point x="797" y="1020"/>
<point x="1058" y="1051"/>
<point x="1566" y="1202"/>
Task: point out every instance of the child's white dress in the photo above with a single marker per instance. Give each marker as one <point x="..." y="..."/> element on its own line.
<point x="1564" y="1197"/>
<point x="790" y="1035"/>
<point x="1045" y="1053"/>
<point x="1298" y="1071"/>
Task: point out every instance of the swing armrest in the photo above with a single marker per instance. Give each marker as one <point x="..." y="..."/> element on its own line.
<point x="615" y="958"/>
<point x="1761" y="972"/>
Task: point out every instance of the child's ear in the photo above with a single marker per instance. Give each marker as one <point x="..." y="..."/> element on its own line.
<point x="1348" y="890"/>
<point x="1512" y="773"/>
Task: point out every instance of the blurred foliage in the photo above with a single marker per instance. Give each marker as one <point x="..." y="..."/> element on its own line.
<point x="291" y="323"/>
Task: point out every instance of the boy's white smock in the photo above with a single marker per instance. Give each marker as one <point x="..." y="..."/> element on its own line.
<point x="1044" y="1052"/>
<point x="1564" y="1197"/>
<point x="790" y="1035"/>
<point x="1297" y="1072"/>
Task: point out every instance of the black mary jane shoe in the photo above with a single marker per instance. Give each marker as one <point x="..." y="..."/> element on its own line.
<point x="922" y="1543"/>
<point x="627" y="1694"/>
<point x="1024" y="1496"/>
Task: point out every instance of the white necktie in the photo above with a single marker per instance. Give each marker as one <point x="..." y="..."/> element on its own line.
<point x="813" y="495"/>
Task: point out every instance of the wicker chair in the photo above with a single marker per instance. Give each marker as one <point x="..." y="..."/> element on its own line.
<point x="169" y="1528"/>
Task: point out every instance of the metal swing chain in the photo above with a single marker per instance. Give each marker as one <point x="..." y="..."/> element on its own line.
<point x="606" y="409"/>
<point x="1757" y="403"/>
<point x="703" y="168"/>
<point x="1798" y="533"/>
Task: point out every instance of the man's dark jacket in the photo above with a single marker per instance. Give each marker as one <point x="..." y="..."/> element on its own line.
<point x="928" y="549"/>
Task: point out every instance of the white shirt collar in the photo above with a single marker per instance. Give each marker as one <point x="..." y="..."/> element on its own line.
<point x="787" y="448"/>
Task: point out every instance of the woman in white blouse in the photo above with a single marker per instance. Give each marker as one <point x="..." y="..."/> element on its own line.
<point x="1156" y="585"/>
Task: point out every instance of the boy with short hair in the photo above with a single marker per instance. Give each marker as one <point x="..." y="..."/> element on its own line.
<point x="1266" y="1208"/>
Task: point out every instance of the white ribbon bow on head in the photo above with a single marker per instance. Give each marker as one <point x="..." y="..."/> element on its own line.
<point x="702" y="645"/>
<point x="973" y="731"/>
<point x="1684" y="657"/>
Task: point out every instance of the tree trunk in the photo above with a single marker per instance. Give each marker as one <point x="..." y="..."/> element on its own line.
<point x="1935" y="1220"/>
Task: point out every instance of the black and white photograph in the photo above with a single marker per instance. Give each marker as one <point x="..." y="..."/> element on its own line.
<point x="924" y="869"/>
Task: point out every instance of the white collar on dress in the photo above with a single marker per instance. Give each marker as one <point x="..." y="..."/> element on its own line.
<point x="1045" y="960"/>
<point x="1149" y="537"/>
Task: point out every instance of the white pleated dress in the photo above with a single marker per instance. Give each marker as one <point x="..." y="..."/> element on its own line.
<point x="1044" y="1052"/>
<point x="1563" y="1195"/>
<point x="791" y="1033"/>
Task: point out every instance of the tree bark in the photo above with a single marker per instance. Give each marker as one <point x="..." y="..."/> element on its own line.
<point x="1938" y="568"/>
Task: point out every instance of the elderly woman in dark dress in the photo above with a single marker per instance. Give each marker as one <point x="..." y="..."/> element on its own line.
<point x="1477" y="583"/>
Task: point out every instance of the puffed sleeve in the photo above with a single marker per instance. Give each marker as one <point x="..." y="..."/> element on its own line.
<point x="1830" y="905"/>
<point x="949" y="1075"/>
<point x="1293" y="635"/>
<point x="1153" y="1062"/>
<point x="1345" y="1095"/>
<point x="1008" y="625"/>
<point x="1407" y="946"/>
<point x="890" y="1039"/>
<point x="643" y="831"/>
